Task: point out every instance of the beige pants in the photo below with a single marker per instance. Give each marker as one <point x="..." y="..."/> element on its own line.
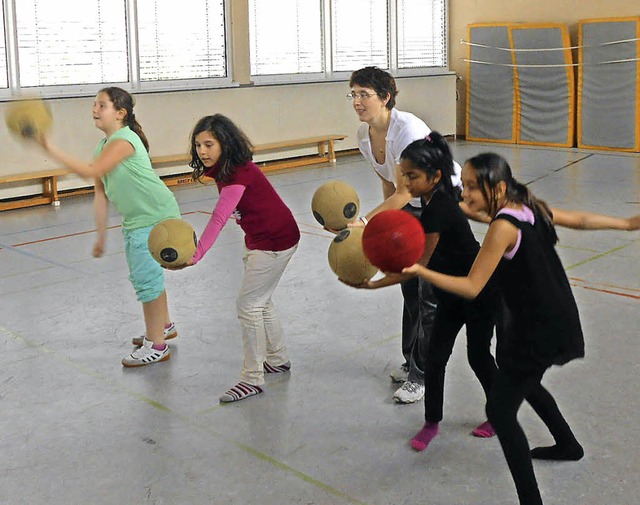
<point x="262" y="335"/>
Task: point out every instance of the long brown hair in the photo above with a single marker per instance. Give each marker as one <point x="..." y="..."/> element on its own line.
<point x="123" y="100"/>
<point x="236" y="147"/>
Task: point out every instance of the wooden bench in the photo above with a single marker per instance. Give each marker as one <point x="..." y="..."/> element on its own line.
<point x="49" y="181"/>
<point x="325" y="145"/>
<point x="49" y="178"/>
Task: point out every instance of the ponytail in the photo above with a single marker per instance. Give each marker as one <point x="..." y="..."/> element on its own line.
<point x="135" y="127"/>
<point x="430" y="155"/>
<point x="123" y="100"/>
<point x="491" y="169"/>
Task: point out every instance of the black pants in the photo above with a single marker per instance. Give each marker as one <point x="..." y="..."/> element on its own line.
<point x="451" y="314"/>
<point x="505" y="398"/>
<point x="417" y="319"/>
<point x="417" y="325"/>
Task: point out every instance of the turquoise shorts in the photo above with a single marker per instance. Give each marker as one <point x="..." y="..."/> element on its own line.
<point x="145" y="273"/>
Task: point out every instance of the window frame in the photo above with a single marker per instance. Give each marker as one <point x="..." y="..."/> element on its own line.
<point x="338" y="76"/>
<point x="133" y="85"/>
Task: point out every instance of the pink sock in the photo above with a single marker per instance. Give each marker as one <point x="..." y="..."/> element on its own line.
<point x="424" y="436"/>
<point x="485" y="430"/>
<point x="167" y="326"/>
<point x="159" y="347"/>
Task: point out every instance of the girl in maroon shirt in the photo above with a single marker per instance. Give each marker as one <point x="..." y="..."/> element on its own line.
<point x="220" y="150"/>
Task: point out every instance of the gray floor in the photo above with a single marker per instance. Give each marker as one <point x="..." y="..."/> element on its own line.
<point x="77" y="428"/>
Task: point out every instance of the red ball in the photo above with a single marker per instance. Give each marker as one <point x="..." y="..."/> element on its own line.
<point x="393" y="240"/>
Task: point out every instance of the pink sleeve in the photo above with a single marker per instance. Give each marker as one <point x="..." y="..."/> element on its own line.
<point x="227" y="203"/>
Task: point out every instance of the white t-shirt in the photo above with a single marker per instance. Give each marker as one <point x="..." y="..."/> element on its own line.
<point x="404" y="128"/>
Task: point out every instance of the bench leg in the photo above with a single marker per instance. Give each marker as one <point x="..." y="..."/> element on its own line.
<point x="332" y="152"/>
<point x="50" y="189"/>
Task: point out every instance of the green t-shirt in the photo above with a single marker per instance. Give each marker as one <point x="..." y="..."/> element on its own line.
<point x="134" y="188"/>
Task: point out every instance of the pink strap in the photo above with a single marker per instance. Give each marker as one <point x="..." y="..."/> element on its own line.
<point x="228" y="201"/>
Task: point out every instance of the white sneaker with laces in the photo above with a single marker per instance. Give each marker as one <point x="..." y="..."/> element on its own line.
<point x="409" y="392"/>
<point x="401" y="374"/>
<point x="169" y="333"/>
<point x="146" y="355"/>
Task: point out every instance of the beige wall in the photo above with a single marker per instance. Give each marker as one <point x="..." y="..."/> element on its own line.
<point x="464" y="12"/>
<point x="266" y="113"/>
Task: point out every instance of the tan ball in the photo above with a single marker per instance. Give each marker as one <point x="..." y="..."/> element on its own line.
<point x="335" y="204"/>
<point x="347" y="259"/>
<point x="172" y="242"/>
<point x="28" y="118"/>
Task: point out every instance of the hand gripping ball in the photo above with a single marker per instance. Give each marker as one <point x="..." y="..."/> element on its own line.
<point x="347" y="259"/>
<point x="335" y="204"/>
<point x="393" y="239"/>
<point x="28" y="118"/>
<point x="172" y="242"/>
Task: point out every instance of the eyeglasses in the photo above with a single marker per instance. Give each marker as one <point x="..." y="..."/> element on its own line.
<point x="361" y="96"/>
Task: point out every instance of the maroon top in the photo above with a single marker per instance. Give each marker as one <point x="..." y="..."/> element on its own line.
<point x="266" y="220"/>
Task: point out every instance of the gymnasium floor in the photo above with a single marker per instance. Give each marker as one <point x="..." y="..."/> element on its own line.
<point x="77" y="428"/>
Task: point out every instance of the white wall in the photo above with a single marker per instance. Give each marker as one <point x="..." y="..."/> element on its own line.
<point x="266" y="113"/>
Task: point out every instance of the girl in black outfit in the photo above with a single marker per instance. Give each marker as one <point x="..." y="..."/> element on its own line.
<point x="451" y="248"/>
<point x="426" y="166"/>
<point x="540" y="326"/>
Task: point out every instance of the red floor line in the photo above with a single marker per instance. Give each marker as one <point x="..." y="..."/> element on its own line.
<point x="78" y="233"/>
<point x="315" y="234"/>
<point x="61" y="236"/>
<point x="606" y="284"/>
<point x="634" y="297"/>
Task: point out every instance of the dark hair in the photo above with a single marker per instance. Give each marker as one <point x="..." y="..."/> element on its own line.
<point x="430" y="155"/>
<point x="123" y="100"/>
<point x="236" y="147"/>
<point x="491" y="169"/>
<point x="375" y="78"/>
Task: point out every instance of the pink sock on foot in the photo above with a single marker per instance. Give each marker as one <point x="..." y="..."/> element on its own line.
<point x="424" y="436"/>
<point x="159" y="347"/>
<point x="485" y="430"/>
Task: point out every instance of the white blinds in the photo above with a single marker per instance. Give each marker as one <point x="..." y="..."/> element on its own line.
<point x="181" y="40"/>
<point x="80" y="45"/>
<point x="285" y="37"/>
<point x="4" y="79"/>
<point x="337" y="36"/>
<point x="360" y="34"/>
<point x="421" y="33"/>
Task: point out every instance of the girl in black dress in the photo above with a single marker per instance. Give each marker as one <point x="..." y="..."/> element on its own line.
<point x="540" y="325"/>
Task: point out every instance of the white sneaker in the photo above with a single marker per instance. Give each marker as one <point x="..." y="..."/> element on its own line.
<point x="409" y="392"/>
<point x="400" y="375"/>
<point x="169" y="333"/>
<point x="146" y="355"/>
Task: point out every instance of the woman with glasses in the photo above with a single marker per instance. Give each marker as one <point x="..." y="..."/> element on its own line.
<point x="382" y="136"/>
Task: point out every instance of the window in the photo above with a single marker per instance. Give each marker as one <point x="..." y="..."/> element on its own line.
<point x="422" y="34"/>
<point x="360" y="34"/>
<point x="137" y="44"/>
<point x="83" y="45"/>
<point x="327" y="39"/>
<point x="4" y="78"/>
<point x="181" y="40"/>
<point x="286" y="40"/>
